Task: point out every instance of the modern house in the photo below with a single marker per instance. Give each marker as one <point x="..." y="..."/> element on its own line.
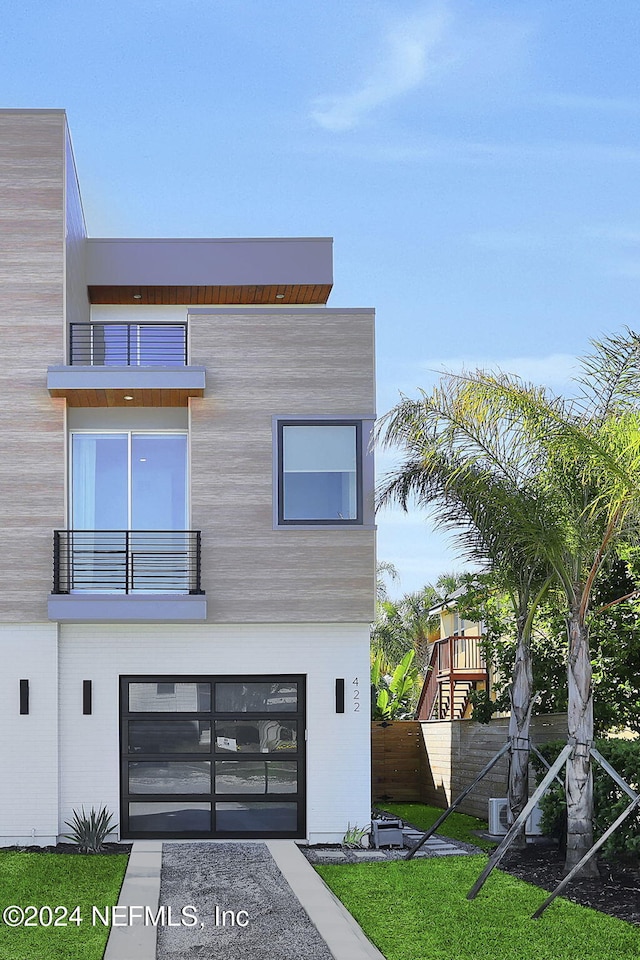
<point x="186" y="490"/>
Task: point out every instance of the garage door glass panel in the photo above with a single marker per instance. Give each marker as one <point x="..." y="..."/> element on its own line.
<point x="256" y="697"/>
<point x="169" y="736"/>
<point x="255" y="736"/>
<point x="170" y="697"/>
<point x="238" y="817"/>
<point x="170" y="777"/>
<point x="256" y="776"/>
<point x="170" y="818"/>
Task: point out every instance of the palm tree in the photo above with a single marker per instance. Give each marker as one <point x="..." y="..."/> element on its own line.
<point x="458" y="461"/>
<point x="384" y="568"/>
<point x="589" y="469"/>
<point x="408" y="623"/>
<point x="573" y="466"/>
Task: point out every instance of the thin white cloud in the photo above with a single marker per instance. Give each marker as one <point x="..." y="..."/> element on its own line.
<point x="507" y="240"/>
<point x="602" y="104"/>
<point x="627" y="236"/>
<point x="414" y="53"/>
<point x="554" y="371"/>
<point x="468" y="152"/>
<point x="625" y="269"/>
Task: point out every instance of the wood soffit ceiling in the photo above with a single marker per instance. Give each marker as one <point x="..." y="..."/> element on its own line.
<point x="281" y="294"/>
<point x="115" y="398"/>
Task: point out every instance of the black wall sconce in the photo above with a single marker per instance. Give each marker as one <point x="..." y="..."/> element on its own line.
<point x="24" y="697"/>
<point x="339" y="696"/>
<point x="86" y="697"/>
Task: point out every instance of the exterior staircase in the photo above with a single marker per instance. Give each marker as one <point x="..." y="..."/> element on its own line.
<point x="456" y="668"/>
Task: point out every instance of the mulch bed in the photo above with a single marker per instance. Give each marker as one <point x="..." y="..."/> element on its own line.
<point x="617" y="892"/>
<point x="70" y="848"/>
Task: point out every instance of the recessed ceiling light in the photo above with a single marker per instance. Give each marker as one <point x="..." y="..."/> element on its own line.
<point x="127" y="397"/>
<point x="279" y="296"/>
<point x="137" y="296"/>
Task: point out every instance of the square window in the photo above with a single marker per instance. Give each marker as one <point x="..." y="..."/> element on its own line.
<point x="319" y="472"/>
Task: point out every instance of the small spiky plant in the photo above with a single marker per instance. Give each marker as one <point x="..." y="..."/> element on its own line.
<point x="354" y="836"/>
<point x="89" y="831"/>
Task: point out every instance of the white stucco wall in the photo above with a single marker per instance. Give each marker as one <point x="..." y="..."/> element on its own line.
<point x="29" y="743"/>
<point x="338" y="748"/>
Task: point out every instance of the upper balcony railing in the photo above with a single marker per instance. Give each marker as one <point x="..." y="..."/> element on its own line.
<point x="459" y="653"/>
<point x="128" y="344"/>
<point x="126" y="561"/>
<point x="455" y="659"/>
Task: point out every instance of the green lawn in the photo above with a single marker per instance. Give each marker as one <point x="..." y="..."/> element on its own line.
<point x="52" y="880"/>
<point x="458" y="826"/>
<point x="417" y="910"/>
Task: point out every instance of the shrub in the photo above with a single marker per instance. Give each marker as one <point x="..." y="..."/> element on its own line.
<point x="609" y="799"/>
<point x="90" y="831"/>
<point x="354" y="836"/>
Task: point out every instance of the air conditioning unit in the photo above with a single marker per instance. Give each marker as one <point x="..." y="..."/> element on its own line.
<point x="498" y="822"/>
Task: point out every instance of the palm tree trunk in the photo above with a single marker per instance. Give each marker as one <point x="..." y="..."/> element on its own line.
<point x="423" y="646"/>
<point x="521" y="694"/>
<point x="579" y="779"/>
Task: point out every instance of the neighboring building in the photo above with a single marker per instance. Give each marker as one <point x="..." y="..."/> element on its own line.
<point x="193" y="423"/>
<point x="456" y="665"/>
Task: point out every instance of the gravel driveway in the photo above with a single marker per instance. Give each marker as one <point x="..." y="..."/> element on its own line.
<point x="257" y="916"/>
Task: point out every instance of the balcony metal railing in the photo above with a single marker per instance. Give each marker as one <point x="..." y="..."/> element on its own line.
<point x="128" y="344"/>
<point x="126" y="561"/>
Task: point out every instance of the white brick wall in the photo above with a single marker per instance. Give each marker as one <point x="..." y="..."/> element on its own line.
<point x="29" y="744"/>
<point x="338" y="772"/>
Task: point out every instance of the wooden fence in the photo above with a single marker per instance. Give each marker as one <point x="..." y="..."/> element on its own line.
<point x="432" y="762"/>
<point x="397" y="761"/>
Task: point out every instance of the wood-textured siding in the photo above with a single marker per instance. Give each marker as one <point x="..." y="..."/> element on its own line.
<point x="32" y="157"/>
<point x="434" y="762"/>
<point x="77" y="301"/>
<point x="457" y="750"/>
<point x="262" y="363"/>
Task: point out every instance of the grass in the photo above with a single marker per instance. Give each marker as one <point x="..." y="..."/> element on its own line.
<point x="66" y="880"/>
<point x="457" y="826"/>
<point x="417" y="910"/>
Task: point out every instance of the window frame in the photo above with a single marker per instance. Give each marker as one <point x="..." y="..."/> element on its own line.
<point x="129" y="432"/>
<point x="279" y="424"/>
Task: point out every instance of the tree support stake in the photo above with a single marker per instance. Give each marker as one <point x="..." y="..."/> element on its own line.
<point x="519" y="824"/>
<point x="458" y="801"/>
<point x="588" y="855"/>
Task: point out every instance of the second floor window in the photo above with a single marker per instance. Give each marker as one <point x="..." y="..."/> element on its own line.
<point x="319" y="472"/>
<point x="129" y="481"/>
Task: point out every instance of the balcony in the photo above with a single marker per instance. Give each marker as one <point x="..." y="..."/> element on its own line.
<point x="457" y="667"/>
<point x="127" y="364"/>
<point x="107" y="575"/>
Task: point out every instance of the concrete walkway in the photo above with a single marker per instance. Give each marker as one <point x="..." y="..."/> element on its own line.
<point x="141" y="887"/>
<point x="263" y="871"/>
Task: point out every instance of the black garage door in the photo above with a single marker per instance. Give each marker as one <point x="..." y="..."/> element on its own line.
<point x="212" y="756"/>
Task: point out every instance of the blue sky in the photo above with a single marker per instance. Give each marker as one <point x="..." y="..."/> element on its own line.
<point x="477" y="162"/>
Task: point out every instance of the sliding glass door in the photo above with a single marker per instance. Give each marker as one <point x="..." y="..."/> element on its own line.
<point x="125" y="486"/>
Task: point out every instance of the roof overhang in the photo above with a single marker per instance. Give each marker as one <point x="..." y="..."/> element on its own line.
<point x="202" y="272"/>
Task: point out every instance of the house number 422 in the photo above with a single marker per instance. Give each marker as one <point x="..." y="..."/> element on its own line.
<point x="355" y="686"/>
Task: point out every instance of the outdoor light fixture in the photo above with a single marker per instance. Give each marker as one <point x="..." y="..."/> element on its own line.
<point x="128" y="397"/>
<point x="86" y="697"/>
<point x="340" y="696"/>
<point x="24" y="697"/>
<point x="279" y="296"/>
<point x="137" y="296"/>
